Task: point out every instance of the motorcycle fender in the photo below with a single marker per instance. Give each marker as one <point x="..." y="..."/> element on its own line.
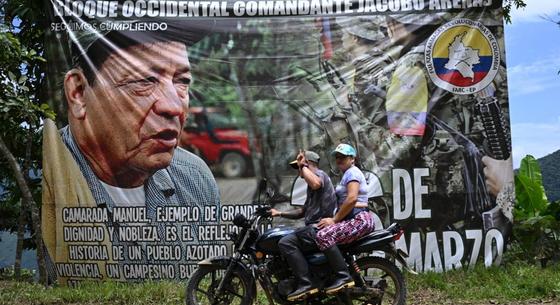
<point x="399" y="255"/>
<point x="223" y="262"/>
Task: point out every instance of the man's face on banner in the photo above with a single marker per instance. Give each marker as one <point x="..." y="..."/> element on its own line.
<point x="137" y="105"/>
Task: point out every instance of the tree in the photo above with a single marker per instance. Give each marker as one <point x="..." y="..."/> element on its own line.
<point x="509" y="4"/>
<point x="21" y="112"/>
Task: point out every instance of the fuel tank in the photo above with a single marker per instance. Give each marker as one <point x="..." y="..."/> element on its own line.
<point x="268" y="241"/>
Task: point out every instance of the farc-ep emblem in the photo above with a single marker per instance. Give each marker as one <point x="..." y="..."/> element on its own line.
<point x="462" y="56"/>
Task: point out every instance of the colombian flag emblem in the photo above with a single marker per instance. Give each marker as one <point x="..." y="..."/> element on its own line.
<point x="462" y="56"/>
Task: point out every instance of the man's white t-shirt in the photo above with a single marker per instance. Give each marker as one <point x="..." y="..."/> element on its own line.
<point x="126" y="197"/>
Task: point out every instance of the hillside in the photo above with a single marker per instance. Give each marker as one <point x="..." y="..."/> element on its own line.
<point x="550" y="167"/>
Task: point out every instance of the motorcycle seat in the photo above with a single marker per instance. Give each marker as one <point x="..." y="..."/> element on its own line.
<point x="367" y="242"/>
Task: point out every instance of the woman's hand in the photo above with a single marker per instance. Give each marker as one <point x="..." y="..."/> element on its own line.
<point x="325" y="222"/>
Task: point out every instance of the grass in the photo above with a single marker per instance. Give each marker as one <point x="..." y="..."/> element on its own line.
<point x="506" y="284"/>
<point x="516" y="283"/>
<point x="25" y="293"/>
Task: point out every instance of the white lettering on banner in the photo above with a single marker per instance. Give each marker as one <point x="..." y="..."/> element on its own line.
<point x="454" y="252"/>
<point x="88" y="252"/>
<point x="291" y="7"/>
<point x="186" y="233"/>
<point x="492" y="257"/>
<point x="412" y="194"/>
<point x="81" y="215"/>
<point x="137" y="233"/>
<point x="228" y="212"/>
<point x="83" y="234"/>
<point x="113" y="271"/>
<point x="420" y="190"/>
<point x="200" y="252"/>
<point x="248" y="8"/>
<point x="476" y="236"/>
<point x="134" y="252"/>
<point x="132" y="26"/>
<point x="129" y="214"/>
<point x="78" y="270"/>
<point x="170" y="233"/>
<point x="457" y="4"/>
<point x="177" y="214"/>
<point x="414" y="259"/>
<point x="372" y="6"/>
<point x="432" y="254"/>
<point x="146" y="271"/>
<point x="212" y="232"/>
<point x="185" y="270"/>
<point x="163" y="253"/>
<point x="118" y="253"/>
<point x="210" y="213"/>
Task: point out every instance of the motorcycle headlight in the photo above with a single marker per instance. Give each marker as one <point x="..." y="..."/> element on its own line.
<point x="241" y="221"/>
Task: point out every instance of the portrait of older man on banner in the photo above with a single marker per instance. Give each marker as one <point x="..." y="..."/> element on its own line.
<point x="127" y="99"/>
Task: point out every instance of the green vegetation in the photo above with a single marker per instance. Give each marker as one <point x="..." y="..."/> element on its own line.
<point x="517" y="283"/>
<point x="160" y="293"/>
<point x="22" y="110"/>
<point x="537" y="221"/>
<point x="550" y="166"/>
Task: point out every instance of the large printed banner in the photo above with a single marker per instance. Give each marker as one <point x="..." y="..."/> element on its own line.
<point x="169" y="113"/>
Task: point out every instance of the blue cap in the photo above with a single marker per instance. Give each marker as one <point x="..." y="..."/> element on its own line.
<point x="345" y="149"/>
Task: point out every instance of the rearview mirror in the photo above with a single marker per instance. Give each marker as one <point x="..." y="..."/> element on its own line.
<point x="298" y="195"/>
<point x="262" y="185"/>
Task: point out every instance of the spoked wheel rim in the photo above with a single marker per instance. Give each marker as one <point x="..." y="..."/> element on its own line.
<point x="390" y="288"/>
<point x="206" y="292"/>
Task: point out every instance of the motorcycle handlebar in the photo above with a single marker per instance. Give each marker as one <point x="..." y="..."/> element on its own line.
<point x="263" y="211"/>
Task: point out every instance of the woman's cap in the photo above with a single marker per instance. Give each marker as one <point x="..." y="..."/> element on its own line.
<point x="345" y="149"/>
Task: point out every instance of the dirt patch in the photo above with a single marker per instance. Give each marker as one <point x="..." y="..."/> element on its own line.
<point x="434" y="297"/>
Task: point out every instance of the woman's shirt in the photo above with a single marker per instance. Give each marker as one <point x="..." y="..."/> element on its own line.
<point x="352" y="174"/>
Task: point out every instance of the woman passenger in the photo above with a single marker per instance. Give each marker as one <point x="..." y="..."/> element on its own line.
<point x="351" y="221"/>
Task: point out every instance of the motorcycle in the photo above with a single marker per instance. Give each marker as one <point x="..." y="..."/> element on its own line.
<point x="256" y="258"/>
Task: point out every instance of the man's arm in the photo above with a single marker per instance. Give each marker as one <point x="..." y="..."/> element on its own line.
<point x="291" y="214"/>
<point x="311" y="178"/>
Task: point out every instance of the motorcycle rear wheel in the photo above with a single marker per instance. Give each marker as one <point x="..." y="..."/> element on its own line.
<point x="203" y="284"/>
<point x="382" y="274"/>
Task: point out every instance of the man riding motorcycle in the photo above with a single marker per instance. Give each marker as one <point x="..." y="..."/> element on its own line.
<point x="257" y="259"/>
<point x="319" y="204"/>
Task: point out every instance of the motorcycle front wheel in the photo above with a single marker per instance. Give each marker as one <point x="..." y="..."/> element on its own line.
<point x="203" y="285"/>
<point x="383" y="275"/>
